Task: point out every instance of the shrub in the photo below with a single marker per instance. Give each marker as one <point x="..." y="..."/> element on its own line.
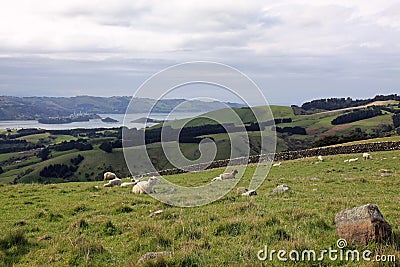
<point x="110" y="229"/>
<point x="396" y="120"/>
<point x="76" y="161"/>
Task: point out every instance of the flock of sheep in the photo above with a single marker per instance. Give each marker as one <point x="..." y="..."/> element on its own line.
<point x="320" y="158"/>
<point x="147" y="187"/>
<point x="139" y="187"/>
<point x="365" y="156"/>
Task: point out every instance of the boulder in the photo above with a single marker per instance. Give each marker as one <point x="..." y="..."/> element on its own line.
<point x="362" y="225"/>
<point x="241" y="190"/>
<point x="153" y="255"/>
<point x="282" y="188"/>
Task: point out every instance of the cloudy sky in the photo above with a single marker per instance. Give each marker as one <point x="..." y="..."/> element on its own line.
<point x="294" y="50"/>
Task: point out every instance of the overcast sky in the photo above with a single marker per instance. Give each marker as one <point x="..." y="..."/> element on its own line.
<point x="294" y="50"/>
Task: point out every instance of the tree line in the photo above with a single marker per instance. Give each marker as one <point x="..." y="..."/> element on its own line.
<point x="357" y="115"/>
<point x="291" y="130"/>
<point x="8" y="146"/>
<point x="339" y="103"/>
<point x="62" y="170"/>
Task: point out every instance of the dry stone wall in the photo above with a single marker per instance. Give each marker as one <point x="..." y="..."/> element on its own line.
<point x="307" y="153"/>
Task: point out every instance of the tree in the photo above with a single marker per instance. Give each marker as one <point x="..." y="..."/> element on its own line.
<point x="106" y="146"/>
<point x="44" y="154"/>
<point x="396" y="120"/>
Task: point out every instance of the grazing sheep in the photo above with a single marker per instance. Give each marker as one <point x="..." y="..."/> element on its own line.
<point x="250" y="193"/>
<point x="277" y="164"/>
<point x="109" y="176"/>
<point x="346" y="160"/>
<point x="225" y="176"/>
<point x="366" y="156"/>
<point x="113" y="182"/>
<point x="320" y="158"/>
<point x="145" y="187"/>
<point x="353" y="160"/>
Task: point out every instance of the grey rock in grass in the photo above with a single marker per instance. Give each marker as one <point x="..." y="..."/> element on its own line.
<point x="250" y="193"/>
<point x="282" y="188"/>
<point x="153" y="255"/>
<point x="157" y="212"/>
<point x="362" y="225"/>
<point x="241" y="190"/>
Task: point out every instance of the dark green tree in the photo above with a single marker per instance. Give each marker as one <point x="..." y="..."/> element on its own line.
<point x="106" y="146"/>
<point x="396" y="120"/>
<point x="44" y="154"/>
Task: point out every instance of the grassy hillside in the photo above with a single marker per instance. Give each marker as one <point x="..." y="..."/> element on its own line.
<point x="26" y="166"/>
<point x="81" y="225"/>
<point x="318" y="126"/>
<point x="223" y="116"/>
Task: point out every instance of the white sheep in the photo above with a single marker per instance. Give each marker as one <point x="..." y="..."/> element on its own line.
<point x="226" y="176"/>
<point x="320" y="158"/>
<point x="145" y="187"/>
<point x="126" y="184"/>
<point x="277" y="164"/>
<point x="353" y="160"/>
<point x="109" y="176"/>
<point x="113" y="182"/>
<point x="366" y="156"/>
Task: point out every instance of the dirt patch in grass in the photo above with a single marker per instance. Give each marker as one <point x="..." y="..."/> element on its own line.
<point x="334" y="130"/>
<point x="314" y="130"/>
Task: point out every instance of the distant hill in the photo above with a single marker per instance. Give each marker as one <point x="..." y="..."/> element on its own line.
<point x="309" y="130"/>
<point x="30" y="108"/>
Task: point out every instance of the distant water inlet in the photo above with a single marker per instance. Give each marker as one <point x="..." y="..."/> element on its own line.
<point x="95" y="123"/>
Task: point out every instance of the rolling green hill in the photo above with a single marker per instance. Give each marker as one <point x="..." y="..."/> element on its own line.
<point x="25" y="166"/>
<point x="318" y="125"/>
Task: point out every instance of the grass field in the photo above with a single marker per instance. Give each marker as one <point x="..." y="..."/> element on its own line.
<point x="77" y="224"/>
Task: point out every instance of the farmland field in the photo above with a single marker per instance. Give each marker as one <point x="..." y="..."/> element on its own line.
<point x="80" y="224"/>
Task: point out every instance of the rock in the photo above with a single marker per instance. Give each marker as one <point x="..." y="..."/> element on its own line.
<point x="250" y="193"/>
<point x="241" y="190"/>
<point x="153" y="255"/>
<point x="362" y="225"/>
<point x="44" y="237"/>
<point x="282" y="188"/>
<point x="157" y="212"/>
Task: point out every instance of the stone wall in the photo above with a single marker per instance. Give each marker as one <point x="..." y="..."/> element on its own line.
<point x="307" y="153"/>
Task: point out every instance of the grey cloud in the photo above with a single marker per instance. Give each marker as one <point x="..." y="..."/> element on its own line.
<point x="294" y="49"/>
